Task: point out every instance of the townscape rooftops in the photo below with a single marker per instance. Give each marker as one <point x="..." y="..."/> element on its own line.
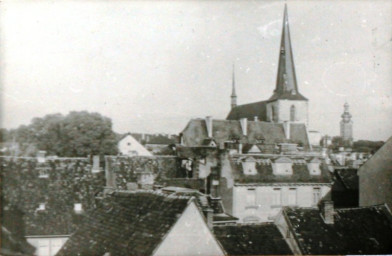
<point x="256" y="239"/>
<point x="264" y="175"/>
<point x="364" y="230"/>
<point x="128" y="223"/>
<point x="226" y="130"/>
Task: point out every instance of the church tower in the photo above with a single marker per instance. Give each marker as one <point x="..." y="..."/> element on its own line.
<point x="346" y="124"/>
<point x="287" y="103"/>
<point x="233" y="94"/>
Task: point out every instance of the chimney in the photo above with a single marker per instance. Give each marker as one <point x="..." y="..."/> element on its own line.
<point x="209" y="126"/>
<point x="286" y="128"/>
<point x="244" y="126"/>
<point x="239" y="148"/>
<point x="209" y="216"/>
<point x="256" y="118"/>
<point x="327" y="211"/>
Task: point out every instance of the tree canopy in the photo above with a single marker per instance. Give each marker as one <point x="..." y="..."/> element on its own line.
<point x="77" y="134"/>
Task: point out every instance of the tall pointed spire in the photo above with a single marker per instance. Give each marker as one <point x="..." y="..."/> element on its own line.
<point x="233" y="94"/>
<point x="286" y="83"/>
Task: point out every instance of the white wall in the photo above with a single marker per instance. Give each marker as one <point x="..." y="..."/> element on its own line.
<point x="283" y="108"/>
<point x="129" y="146"/>
<point x="47" y="246"/>
<point x="190" y="236"/>
<point x="265" y="208"/>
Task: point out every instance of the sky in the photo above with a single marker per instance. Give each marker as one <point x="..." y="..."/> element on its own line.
<point x="151" y="66"/>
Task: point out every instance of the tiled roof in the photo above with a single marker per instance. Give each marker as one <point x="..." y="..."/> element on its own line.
<point x="249" y="111"/>
<point x="265" y="174"/>
<point x="225" y="130"/>
<point x="128" y="223"/>
<point x="259" y="239"/>
<point x="348" y="177"/>
<point x="365" y="230"/>
<point x="13" y="245"/>
<point x="67" y="182"/>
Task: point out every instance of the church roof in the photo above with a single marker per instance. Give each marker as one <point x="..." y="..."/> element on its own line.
<point x="226" y="130"/>
<point x="249" y="111"/>
<point x="286" y="82"/>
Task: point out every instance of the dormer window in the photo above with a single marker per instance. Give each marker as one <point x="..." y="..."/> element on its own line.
<point x="78" y="208"/>
<point x="282" y="166"/>
<point x="43" y="173"/>
<point x="249" y="166"/>
<point x="314" y="167"/>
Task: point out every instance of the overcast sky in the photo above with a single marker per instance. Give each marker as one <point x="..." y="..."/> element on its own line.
<point x="151" y="66"/>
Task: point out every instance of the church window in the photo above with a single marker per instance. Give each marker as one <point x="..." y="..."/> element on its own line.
<point x="292" y="113"/>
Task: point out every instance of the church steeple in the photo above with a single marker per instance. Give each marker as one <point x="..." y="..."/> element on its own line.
<point x="286" y="82"/>
<point x="346" y="124"/>
<point x="233" y="94"/>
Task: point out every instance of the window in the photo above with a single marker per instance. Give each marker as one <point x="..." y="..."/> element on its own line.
<point x="292" y="196"/>
<point x="251" y="197"/>
<point x="78" y="208"/>
<point x="277" y="197"/>
<point x="292" y="113"/>
<point x="316" y="195"/>
<point x="129" y="144"/>
<point x="43" y="174"/>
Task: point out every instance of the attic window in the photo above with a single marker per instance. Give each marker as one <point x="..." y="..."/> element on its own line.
<point x="129" y="144"/>
<point x="78" y="208"/>
<point x="43" y="173"/>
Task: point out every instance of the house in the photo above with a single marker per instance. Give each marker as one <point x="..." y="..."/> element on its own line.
<point x="51" y="195"/>
<point x="144" y="223"/>
<point x="129" y="146"/>
<point x="375" y="178"/>
<point x="255" y="188"/>
<point x="252" y="239"/>
<point x="345" y="191"/>
<point x="329" y="231"/>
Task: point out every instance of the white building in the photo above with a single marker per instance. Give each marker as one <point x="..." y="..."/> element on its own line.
<point x="129" y="146"/>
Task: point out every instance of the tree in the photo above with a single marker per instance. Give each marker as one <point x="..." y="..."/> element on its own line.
<point x="76" y="135"/>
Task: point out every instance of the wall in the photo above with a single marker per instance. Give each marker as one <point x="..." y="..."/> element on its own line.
<point x="47" y="246"/>
<point x="190" y="236"/>
<point x="265" y="209"/>
<point x="375" y="178"/>
<point x="283" y="109"/>
<point x="130" y="147"/>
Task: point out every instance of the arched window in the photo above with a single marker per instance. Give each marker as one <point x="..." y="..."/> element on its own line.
<point x="292" y="113"/>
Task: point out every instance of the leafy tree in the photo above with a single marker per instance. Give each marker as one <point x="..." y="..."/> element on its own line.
<point x="77" y="134"/>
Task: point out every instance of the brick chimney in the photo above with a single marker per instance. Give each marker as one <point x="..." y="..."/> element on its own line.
<point x="209" y="217"/>
<point x="286" y="128"/>
<point x="209" y="126"/>
<point x="327" y="211"/>
<point x="244" y="126"/>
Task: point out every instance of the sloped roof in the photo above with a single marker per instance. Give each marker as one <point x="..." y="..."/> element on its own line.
<point x="259" y="239"/>
<point x="265" y="174"/>
<point x="348" y="177"/>
<point x="249" y="111"/>
<point x="224" y="130"/>
<point x="365" y="230"/>
<point x="128" y="223"/>
<point x="14" y="245"/>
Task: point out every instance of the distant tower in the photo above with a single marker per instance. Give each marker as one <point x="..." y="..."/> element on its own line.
<point x="346" y="124"/>
<point x="233" y="94"/>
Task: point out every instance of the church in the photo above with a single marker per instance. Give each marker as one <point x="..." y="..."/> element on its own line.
<point x="286" y="104"/>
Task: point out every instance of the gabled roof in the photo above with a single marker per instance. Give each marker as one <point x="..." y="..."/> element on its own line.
<point x="286" y="82"/>
<point x="127" y="223"/>
<point x="259" y="239"/>
<point x="225" y="130"/>
<point x="365" y="230"/>
<point x="249" y="111"/>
